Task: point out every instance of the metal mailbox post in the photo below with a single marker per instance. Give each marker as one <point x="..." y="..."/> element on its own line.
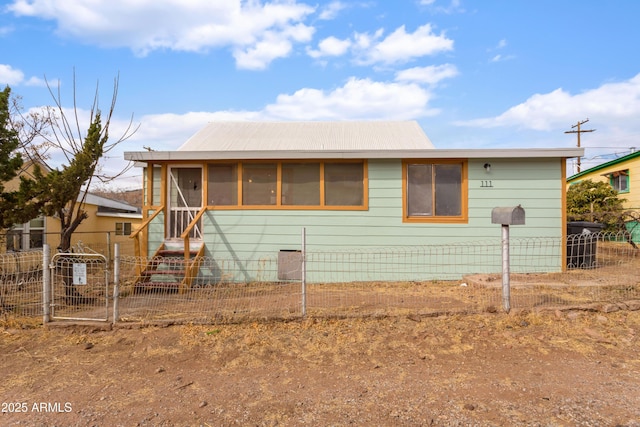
<point x="506" y="216"/>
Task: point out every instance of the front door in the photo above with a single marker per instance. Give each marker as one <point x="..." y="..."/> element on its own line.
<point x="185" y="200"/>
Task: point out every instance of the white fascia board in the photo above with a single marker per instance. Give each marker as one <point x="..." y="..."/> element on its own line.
<point x="166" y="156"/>
<point x="119" y="215"/>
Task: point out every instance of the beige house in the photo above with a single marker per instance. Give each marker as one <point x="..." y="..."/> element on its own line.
<point x="108" y="222"/>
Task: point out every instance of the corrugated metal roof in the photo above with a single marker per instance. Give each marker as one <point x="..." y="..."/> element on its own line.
<point x="309" y="136"/>
<point x="93" y="199"/>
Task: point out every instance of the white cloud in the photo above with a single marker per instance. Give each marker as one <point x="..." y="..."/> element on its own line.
<point x="429" y="75"/>
<point x="35" y="81"/>
<point x="331" y="10"/>
<point x="611" y="103"/>
<point x="331" y="46"/>
<point x="14" y="77"/>
<point x="181" y="25"/>
<point x="453" y="7"/>
<point x="10" y="76"/>
<point x="273" y="45"/>
<point x="499" y="57"/>
<point x="400" y="46"/>
<point x="357" y="99"/>
<point x="397" y="47"/>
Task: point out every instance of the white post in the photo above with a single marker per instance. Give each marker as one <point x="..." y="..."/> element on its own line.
<point x="303" y="269"/>
<point x="506" y="288"/>
<point x="46" y="284"/>
<point x="116" y="282"/>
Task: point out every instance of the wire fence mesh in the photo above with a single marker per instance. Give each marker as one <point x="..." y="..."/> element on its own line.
<point x="21" y="283"/>
<point x="79" y="286"/>
<point x="598" y="268"/>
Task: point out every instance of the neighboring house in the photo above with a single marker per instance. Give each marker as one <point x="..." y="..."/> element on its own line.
<point x="108" y="222"/>
<point x="237" y="189"/>
<point x="623" y="174"/>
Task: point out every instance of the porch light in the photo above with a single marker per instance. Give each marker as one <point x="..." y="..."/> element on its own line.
<point x="487" y="167"/>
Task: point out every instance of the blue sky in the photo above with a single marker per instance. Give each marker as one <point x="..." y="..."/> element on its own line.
<point x="474" y="74"/>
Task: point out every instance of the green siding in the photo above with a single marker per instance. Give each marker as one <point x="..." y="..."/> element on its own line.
<point x="156" y="233"/>
<point x="248" y="236"/>
<point x="156" y="186"/>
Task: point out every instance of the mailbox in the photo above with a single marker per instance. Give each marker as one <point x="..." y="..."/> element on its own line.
<point x="513" y="215"/>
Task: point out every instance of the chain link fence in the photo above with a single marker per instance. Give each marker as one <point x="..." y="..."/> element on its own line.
<point x="600" y="268"/>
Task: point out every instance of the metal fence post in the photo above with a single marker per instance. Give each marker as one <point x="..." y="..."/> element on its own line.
<point x="506" y="285"/>
<point x="46" y="284"/>
<point x="511" y="215"/>
<point x="109" y="247"/>
<point x="304" y="272"/>
<point x="116" y="282"/>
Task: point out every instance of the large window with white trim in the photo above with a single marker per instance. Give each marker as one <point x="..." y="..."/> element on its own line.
<point x="26" y="236"/>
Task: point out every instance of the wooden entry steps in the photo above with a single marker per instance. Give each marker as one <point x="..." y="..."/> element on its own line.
<point x="170" y="269"/>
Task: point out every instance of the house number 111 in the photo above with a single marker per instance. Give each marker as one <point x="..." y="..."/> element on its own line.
<point x="486" y="184"/>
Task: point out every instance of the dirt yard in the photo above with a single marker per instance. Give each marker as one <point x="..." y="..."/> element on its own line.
<point x="569" y="368"/>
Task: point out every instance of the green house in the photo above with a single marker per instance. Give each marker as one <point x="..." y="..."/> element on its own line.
<point x="241" y="192"/>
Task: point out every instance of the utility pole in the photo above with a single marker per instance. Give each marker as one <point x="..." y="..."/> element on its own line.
<point x="579" y="131"/>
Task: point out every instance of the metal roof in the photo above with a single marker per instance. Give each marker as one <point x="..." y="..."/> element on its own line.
<point x="96" y="200"/>
<point x="324" y="140"/>
<point x="305" y="136"/>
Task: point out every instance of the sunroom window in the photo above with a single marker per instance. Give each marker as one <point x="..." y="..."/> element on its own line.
<point x="259" y="183"/>
<point x="223" y="184"/>
<point x="300" y="184"/>
<point x="287" y="185"/>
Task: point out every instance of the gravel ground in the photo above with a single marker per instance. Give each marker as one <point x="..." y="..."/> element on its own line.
<point x="554" y="368"/>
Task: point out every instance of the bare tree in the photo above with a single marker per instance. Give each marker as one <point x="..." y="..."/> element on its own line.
<point x="82" y="153"/>
<point x="55" y="132"/>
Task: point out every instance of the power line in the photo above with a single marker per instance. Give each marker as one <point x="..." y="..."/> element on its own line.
<point x="579" y="131"/>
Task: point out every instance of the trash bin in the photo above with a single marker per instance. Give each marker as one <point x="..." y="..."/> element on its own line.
<point x="582" y="243"/>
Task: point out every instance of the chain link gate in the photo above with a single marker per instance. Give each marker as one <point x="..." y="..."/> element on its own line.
<point x="79" y="287"/>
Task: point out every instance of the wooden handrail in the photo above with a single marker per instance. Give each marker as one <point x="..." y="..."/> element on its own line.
<point x="193" y="222"/>
<point x="185" y="234"/>
<point x="136" y="236"/>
